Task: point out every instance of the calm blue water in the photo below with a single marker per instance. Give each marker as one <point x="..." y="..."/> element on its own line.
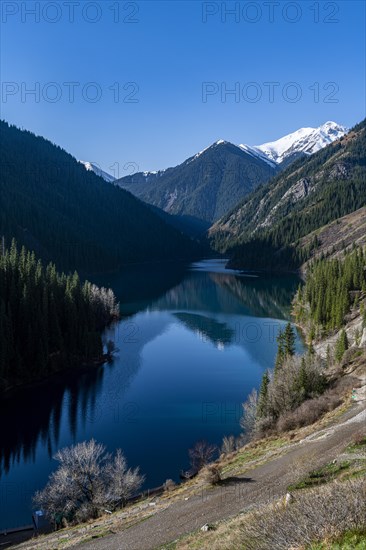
<point x="193" y="342"/>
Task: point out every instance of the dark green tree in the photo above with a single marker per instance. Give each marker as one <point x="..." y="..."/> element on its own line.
<point x="262" y="406"/>
<point x="341" y="345"/>
<point x="289" y="341"/>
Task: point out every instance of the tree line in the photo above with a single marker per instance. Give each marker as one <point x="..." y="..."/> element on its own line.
<point x="296" y="392"/>
<point x="337" y="177"/>
<point x="48" y="320"/>
<point x="332" y="287"/>
<point x="71" y="216"/>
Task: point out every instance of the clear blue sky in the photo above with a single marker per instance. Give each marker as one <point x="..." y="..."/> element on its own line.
<point x="170" y="49"/>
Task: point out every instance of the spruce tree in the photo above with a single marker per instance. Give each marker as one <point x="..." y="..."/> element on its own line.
<point x="262" y="407"/>
<point x="280" y="352"/>
<point x="341" y="345"/>
<point x="289" y="341"/>
<point x="47" y="321"/>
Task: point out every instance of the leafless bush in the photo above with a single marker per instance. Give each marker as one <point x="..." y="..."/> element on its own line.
<point x="345" y="384"/>
<point x="213" y="474"/>
<point x="169" y="485"/>
<point x="308" y="412"/>
<point x="104" y="302"/>
<point x="265" y="426"/>
<point x="248" y="419"/>
<point x="313" y="516"/>
<point x="201" y="454"/>
<point x="87" y="481"/>
<point x="228" y="444"/>
<point x="299" y="379"/>
<point x="359" y="438"/>
<point x="287" y="390"/>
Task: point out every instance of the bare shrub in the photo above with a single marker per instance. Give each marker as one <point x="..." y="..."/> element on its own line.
<point x="201" y="454"/>
<point x="308" y="412"/>
<point x="297" y="379"/>
<point x="303" y="465"/>
<point x="169" y="485"/>
<point x="213" y="474"/>
<point x="265" y="426"/>
<point x="313" y="515"/>
<point x="359" y="438"/>
<point x="248" y="419"/>
<point x="345" y="384"/>
<point x="228" y="444"/>
<point x="87" y="481"/>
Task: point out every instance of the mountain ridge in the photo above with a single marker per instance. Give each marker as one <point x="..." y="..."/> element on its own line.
<point x="204" y="186"/>
<point x="70" y="216"/>
<point x="304" y="140"/>
<point x="93" y="167"/>
<point x="307" y="195"/>
<point x="209" y="183"/>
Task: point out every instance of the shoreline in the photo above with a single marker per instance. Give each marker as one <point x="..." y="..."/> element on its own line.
<point x="79" y="369"/>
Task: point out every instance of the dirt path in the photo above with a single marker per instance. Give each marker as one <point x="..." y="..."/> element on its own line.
<point x="261" y="484"/>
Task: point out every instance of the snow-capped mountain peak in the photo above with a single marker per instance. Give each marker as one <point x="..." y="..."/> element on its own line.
<point x="305" y="140"/>
<point x="92" y="167"/>
<point x="255" y="152"/>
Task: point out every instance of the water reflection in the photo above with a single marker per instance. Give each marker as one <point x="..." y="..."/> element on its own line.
<point x="32" y="416"/>
<point x="206" y="327"/>
<point x="188" y="339"/>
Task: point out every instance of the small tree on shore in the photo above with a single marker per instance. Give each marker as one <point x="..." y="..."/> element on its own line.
<point x="201" y="454"/>
<point x="262" y="406"/>
<point x="289" y="341"/>
<point x="280" y="351"/>
<point x="249" y="417"/>
<point x="87" y="481"/>
<point x="228" y="444"/>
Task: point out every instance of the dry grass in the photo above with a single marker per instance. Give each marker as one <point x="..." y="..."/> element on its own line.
<point x="314" y="515"/>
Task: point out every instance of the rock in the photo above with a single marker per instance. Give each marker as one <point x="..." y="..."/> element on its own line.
<point x="288" y="499"/>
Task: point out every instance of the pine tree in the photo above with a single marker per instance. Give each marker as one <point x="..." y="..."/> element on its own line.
<point x="262" y="406"/>
<point x="46" y="316"/>
<point x="341" y="345"/>
<point x="289" y="341"/>
<point x="303" y="382"/>
<point x="280" y="352"/>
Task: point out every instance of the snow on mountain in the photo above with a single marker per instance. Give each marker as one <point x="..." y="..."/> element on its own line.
<point x="304" y="140"/>
<point x="92" y="167"/>
<point x="256" y="152"/>
<point x="218" y="142"/>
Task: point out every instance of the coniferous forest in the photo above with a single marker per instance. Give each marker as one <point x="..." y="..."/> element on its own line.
<point x="67" y="215"/>
<point x="332" y="287"/>
<point x="270" y="224"/>
<point x="48" y="320"/>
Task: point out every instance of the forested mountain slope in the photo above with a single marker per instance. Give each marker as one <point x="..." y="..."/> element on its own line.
<point x="204" y="186"/>
<point x="48" y="321"/>
<point x="338" y="236"/>
<point x="69" y="215"/>
<point x="263" y="231"/>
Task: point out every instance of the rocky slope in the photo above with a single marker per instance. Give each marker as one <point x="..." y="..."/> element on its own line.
<point x="306" y="196"/>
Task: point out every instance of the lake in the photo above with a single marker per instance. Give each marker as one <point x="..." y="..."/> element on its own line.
<point x="192" y="343"/>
